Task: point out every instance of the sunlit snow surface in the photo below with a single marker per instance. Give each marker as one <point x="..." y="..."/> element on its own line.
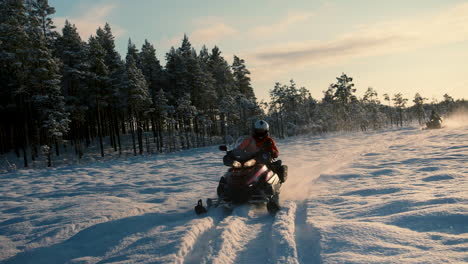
<point x="397" y="196"/>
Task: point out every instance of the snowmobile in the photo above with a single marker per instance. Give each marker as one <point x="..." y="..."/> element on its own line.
<point x="434" y="124"/>
<point x="248" y="180"/>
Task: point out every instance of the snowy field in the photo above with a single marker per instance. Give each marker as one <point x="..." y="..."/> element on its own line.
<point x="394" y="196"/>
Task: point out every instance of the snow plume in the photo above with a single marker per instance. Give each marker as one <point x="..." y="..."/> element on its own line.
<point x="320" y="161"/>
<point x="458" y="118"/>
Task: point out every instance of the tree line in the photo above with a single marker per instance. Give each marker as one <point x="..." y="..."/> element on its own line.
<point x="57" y="88"/>
<point x="61" y="93"/>
<point x="293" y="111"/>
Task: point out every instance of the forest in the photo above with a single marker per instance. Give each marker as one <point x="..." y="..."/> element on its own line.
<point x="59" y="93"/>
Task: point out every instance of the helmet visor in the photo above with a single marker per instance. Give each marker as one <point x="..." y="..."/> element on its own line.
<point x="260" y="132"/>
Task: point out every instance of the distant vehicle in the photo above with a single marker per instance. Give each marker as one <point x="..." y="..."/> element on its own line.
<point x="434" y="124"/>
<point x="434" y="121"/>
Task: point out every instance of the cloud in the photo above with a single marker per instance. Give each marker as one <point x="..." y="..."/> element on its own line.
<point x="283" y="25"/>
<point x="88" y="23"/>
<point x="321" y="51"/>
<point x="208" y="31"/>
<point x="447" y="26"/>
<point x="212" y="33"/>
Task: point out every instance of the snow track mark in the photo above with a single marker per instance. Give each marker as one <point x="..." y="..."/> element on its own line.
<point x="307" y="237"/>
<point x="284" y="248"/>
<point x="234" y="234"/>
<point x="201" y="246"/>
<point x="196" y="229"/>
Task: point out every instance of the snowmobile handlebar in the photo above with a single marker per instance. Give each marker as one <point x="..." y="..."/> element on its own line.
<point x="261" y="156"/>
<point x="223" y="148"/>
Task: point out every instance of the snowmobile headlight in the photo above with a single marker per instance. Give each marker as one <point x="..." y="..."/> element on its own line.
<point x="236" y="164"/>
<point x="250" y="163"/>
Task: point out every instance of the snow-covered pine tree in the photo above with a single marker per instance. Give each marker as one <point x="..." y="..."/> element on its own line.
<point x="42" y="11"/>
<point x="139" y="100"/>
<point x="307" y="106"/>
<point x="176" y="85"/>
<point x="98" y="83"/>
<point x="245" y="114"/>
<point x="151" y="68"/>
<point x="225" y="88"/>
<point x="44" y="81"/>
<point x="14" y="68"/>
<point x="154" y="76"/>
<point x="448" y="103"/>
<point x="209" y="98"/>
<point x="343" y="98"/>
<point x="242" y="78"/>
<point x="371" y="104"/>
<point x="74" y="69"/>
<point x="400" y="103"/>
<point x="161" y="111"/>
<point x="277" y="103"/>
<point x="197" y="80"/>
<point x="114" y="98"/>
<point x="419" y="107"/>
<point x="388" y="110"/>
<point x="185" y="112"/>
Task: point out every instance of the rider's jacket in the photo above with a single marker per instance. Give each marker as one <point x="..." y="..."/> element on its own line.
<point x="254" y="144"/>
<point x="435" y="117"/>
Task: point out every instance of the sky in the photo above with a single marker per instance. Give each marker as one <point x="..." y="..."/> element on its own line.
<point x="394" y="47"/>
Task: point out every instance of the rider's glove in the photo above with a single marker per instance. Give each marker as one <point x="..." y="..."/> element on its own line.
<point x="266" y="156"/>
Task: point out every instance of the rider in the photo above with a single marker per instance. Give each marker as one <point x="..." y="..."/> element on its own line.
<point x="260" y="140"/>
<point x="435" y="117"/>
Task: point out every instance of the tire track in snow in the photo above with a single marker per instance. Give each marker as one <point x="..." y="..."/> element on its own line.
<point x="259" y="249"/>
<point x="244" y="236"/>
<point x="251" y="235"/>
<point x="201" y="245"/>
<point x="232" y="235"/>
<point x="307" y="237"/>
<point x="196" y="229"/>
<point x="283" y="234"/>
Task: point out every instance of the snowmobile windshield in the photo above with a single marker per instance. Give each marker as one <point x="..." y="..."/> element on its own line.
<point x="239" y="151"/>
<point x="239" y="141"/>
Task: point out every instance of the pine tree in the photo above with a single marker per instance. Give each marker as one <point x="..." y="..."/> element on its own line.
<point x="151" y="68"/>
<point x="343" y="98"/>
<point x="419" y="107"/>
<point x="225" y="88"/>
<point x="115" y="97"/>
<point x="44" y="78"/>
<point x="176" y="83"/>
<point x="344" y="90"/>
<point x="139" y="100"/>
<point x="208" y="99"/>
<point x="74" y="69"/>
<point x="42" y="11"/>
<point x="400" y="103"/>
<point x="185" y="113"/>
<point x="242" y="79"/>
<point x="161" y="111"/>
<point x="371" y="105"/>
<point x="98" y="83"/>
<point x="14" y="68"/>
<point x="389" y="109"/>
<point x="154" y="76"/>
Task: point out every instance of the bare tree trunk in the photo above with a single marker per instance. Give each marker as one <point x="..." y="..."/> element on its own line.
<point x="99" y="126"/>
<point x="132" y="128"/>
<point x="140" y="136"/>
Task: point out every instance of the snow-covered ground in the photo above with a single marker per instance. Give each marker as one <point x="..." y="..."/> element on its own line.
<point x="394" y="196"/>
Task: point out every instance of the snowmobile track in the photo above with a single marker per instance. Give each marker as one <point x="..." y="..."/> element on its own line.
<point x="307" y="237"/>
<point x="251" y="235"/>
